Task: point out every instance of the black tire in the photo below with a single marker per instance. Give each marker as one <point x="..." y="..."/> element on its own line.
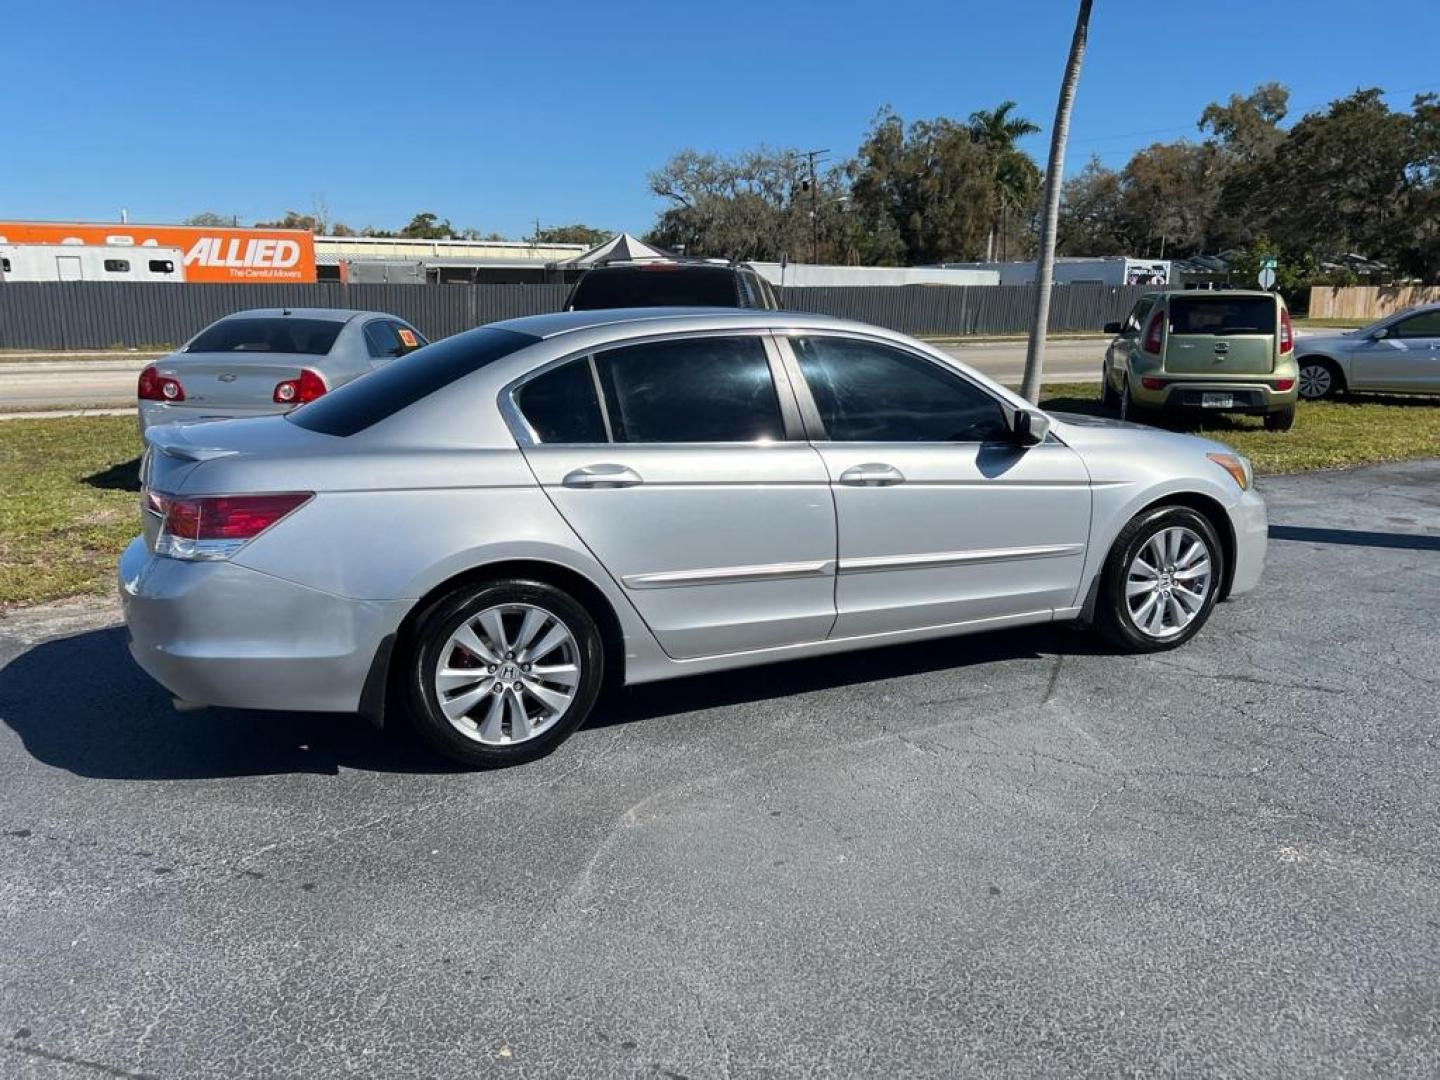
<point x="1108" y="398"/>
<point x="1130" y="409"/>
<point x="1320" y="378"/>
<point x="1113" y="617"/>
<point x="433" y="630"/>
<point x="1280" y="419"/>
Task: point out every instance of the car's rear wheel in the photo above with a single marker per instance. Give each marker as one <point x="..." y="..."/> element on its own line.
<point x="1160" y="581"/>
<point x="1319" y="378"/>
<point x="502" y="672"/>
<point x="1130" y="409"/>
<point x="1280" y="419"/>
<point x="1108" y="397"/>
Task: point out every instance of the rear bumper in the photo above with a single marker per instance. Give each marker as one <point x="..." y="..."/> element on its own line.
<point x="154" y="413"/>
<point x="215" y="633"/>
<point x="1250" y="523"/>
<point x="1180" y="393"/>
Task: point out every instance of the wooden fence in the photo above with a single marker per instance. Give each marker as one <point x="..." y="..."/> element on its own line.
<point x="1366" y="302"/>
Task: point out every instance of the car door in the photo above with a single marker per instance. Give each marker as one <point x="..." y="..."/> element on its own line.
<point x="942" y="519"/>
<point x="1117" y="355"/>
<point x="682" y="464"/>
<point x="1407" y="358"/>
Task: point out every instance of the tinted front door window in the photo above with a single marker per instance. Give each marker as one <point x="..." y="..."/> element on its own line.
<point x="695" y="390"/>
<point x="868" y="392"/>
<point x="1424" y="325"/>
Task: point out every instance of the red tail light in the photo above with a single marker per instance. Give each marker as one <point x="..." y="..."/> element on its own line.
<point x="1150" y="382"/>
<point x="216" y="526"/>
<point x="1155" y="333"/>
<point x="307" y="387"/>
<point x="1284" y="384"/>
<point x="156" y="387"/>
<point x="1287" y="333"/>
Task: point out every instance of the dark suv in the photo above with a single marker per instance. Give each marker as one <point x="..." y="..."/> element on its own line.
<point x="672" y="283"/>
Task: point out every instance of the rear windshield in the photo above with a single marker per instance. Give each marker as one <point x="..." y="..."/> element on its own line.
<point x="659" y="285"/>
<point x="278" y="334"/>
<point x="398" y="385"/>
<point x="1222" y="315"/>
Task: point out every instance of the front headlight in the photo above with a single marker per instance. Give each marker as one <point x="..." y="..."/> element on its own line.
<point x="1238" y="466"/>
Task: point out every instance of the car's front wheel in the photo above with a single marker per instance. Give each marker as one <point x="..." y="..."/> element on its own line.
<point x="1319" y="378"/>
<point x="502" y="672"/>
<point x="1161" y="580"/>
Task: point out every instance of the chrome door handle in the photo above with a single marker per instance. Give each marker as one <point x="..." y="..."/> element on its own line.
<point x="602" y="476"/>
<point x="872" y="474"/>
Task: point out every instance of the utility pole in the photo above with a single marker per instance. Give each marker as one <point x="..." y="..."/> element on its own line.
<point x="814" y="185"/>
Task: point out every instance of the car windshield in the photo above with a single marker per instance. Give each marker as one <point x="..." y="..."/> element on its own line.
<point x="398" y="385"/>
<point x="275" y="334"/>
<point x="654" y="285"/>
<point x="1222" y="315"/>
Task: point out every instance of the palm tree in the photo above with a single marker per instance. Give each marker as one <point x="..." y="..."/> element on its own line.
<point x="1015" y="175"/>
<point x="1049" y="223"/>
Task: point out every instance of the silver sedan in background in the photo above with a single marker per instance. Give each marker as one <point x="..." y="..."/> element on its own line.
<point x="481" y="534"/>
<point x="268" y="361"/>
<point x="1399" y="354"/>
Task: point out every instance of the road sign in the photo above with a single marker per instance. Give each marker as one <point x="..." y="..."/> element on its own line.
<point x="1268" y="262"/>
<point x="1267" y="278"/>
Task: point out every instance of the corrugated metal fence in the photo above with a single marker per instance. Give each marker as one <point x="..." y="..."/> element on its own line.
<point x="93" y="315"/>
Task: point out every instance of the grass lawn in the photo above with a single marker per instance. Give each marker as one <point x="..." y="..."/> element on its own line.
<point x="1306" y="323"/>
<point x="68" y="501"/>
<point x="68" y="504"/>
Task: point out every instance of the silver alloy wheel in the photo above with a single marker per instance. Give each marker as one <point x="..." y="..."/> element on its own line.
<point x="1169" y="579"/>
<point x="508" y="674"/>
<point x="1315" y="381"/>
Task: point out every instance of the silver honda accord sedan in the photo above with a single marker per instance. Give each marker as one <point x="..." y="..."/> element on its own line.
<point x="479" y="535"/>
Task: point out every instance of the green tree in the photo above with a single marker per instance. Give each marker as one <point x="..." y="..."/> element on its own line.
<point x="923" y="192"/>
<point x="1092" y="213"/>
<point x="209" y="219"/>
<point x="426" y="226"/>
<point x="1170" y="191"/>
<point x="1016" y="176"/>
<point x="573" y="234"/>
<point x="292" y="220"/>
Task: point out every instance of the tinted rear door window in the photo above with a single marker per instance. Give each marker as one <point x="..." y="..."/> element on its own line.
<point x="714" y="389"/>
<point x="385" y="391"/>
<point x="280" y="334"/>
<point x="867" y="392"/>
<point x="561" y="406"/>
<point x="1222" y="315"/>
<point x="381" y="339"/>
<point x="655" y="285"/>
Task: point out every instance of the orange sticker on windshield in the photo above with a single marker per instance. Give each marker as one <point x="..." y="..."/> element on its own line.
<point x="408" y="337"/>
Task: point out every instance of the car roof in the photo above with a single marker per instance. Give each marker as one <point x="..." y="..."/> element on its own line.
<point x="1212" y="292"/>
<point x="678" y="318"/>
<point x="328" y="314"/>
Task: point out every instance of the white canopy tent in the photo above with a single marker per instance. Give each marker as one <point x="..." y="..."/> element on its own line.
<point x="618" y="248"/>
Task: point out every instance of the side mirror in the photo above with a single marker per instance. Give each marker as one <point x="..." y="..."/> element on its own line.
<point x="1381" y="334"/>
<point x="1028" y="427"/>
<point x="1113" y="328"/>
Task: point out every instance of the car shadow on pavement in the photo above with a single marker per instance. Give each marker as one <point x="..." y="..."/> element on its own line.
<point x="81" y="704"/>
<point x="700" y="692"/>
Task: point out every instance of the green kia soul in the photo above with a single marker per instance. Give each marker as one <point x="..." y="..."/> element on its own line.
<point x="1209" y="351"/>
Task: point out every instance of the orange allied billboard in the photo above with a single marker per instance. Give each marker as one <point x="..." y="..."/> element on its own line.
<point x="211" y="253"/>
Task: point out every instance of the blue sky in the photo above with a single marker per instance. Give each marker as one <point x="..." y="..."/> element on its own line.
<point x="495" y="114"/>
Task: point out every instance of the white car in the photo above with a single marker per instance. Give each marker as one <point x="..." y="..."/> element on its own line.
<point x="1400" y="354"/>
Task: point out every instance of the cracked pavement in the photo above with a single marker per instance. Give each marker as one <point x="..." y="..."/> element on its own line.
<point x="1006" y="855"/>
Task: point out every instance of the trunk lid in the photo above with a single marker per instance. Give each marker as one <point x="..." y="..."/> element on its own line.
<point x="212" y="380"/>
<point x="1211" y="334"/>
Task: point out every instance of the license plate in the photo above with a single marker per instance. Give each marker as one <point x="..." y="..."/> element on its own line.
<point x="1217" y="401"/>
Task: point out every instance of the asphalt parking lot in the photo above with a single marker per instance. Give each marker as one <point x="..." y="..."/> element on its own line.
<point x="1011" y="855"/>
